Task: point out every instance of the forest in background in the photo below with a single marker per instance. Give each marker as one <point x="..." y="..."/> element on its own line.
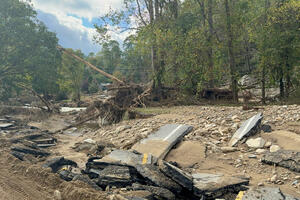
<point x="188" y="45"/>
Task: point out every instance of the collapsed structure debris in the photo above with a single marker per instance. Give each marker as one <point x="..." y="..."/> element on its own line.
<point x="32" y="145"/>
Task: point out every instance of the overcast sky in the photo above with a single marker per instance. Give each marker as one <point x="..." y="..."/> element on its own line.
<point x="73" y="20"/>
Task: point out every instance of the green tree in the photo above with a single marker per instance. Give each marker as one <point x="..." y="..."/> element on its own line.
<point x="71" y="75"/>
<point x="28" y="53"/>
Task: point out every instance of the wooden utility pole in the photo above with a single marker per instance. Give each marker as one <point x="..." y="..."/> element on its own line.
<point x="91" y="66"/>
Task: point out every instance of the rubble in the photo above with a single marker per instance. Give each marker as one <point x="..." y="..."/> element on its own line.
<point x="249" y="127"/>
<point x="264" y="193"/>
<point x="283" y="158"/>
<point x="216" y="185"/>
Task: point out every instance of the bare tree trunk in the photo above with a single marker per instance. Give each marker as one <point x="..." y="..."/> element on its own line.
<point x="263" y="73"/>
<point x="209" y="40"/>
<point x="281" y="85"/>
<point x="263" y="85"/>
<point x="231" y="54"/>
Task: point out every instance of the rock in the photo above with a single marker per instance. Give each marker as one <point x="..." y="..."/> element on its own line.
<point x="266" y="128"/>
<point x="57" y="195"/>
<point x="256" y="143"/>
<point x="273" y="178"/>
<point x="260" y="184"/>
<point x="268" y="144"/>
<point x="235" y="118"/>
<point x="90" y="141"/>
<point x="283" y="158"/>
<point x="228" y="149"/>
<point x="249" y="127"/>
<point x="260" y="151"/>
<point x="297" y="177"/>
<point x="274" y="148"/>
<point x="252" y="156"/>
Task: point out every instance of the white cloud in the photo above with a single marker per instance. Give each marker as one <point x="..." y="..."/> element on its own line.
<point x="82" y="8"/>
<point x="69" y="14"/>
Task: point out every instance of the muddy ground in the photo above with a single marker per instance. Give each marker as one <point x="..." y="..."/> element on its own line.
<point x="200" y="151"/>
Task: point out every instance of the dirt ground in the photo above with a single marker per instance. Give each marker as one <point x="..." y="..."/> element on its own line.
<point x="198" y="152"/>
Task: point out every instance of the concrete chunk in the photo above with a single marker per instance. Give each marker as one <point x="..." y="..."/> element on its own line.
<point x="264" y="193"/>
<point x="216" y="185"/>
<point x="249" y="127"/>
<point x="160" y="143"/>
<point x="283" y="158"/>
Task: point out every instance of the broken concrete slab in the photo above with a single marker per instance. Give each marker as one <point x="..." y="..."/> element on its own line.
<point x="155" y="176"/>
<point x="160" y="143"/>
<point x="216" y="185"/>
<point x="264" y="193"/>
<point x="283" y="158"/>
<point x="118" y="176"/>
<point x="182" y="178"/>
<point x="249" y="127"/>
<point x="162" y="193"/>
<point x="128" y="158"/>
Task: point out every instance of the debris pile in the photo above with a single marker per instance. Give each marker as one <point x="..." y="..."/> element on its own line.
<point x="32" y="146"/>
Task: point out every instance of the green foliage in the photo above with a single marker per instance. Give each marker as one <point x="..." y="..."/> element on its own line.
<point x="28" y="52"/>
<point x="71" y="75"/>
